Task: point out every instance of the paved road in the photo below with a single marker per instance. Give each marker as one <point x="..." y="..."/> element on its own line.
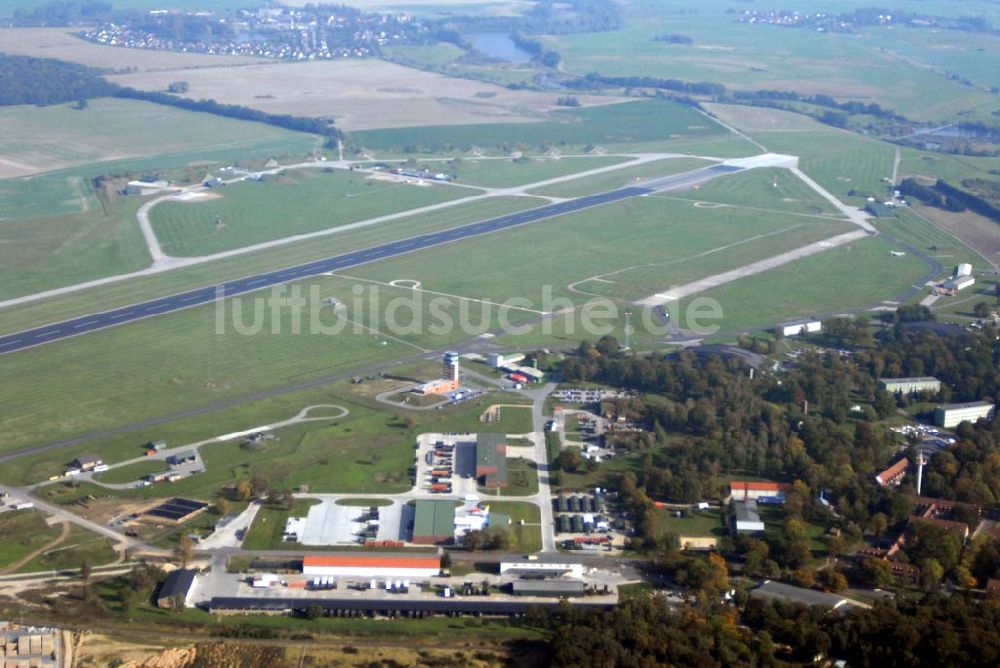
<point x="207" y="294"/>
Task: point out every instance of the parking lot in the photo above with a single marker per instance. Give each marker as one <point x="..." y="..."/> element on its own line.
<point x="446" y="464"/>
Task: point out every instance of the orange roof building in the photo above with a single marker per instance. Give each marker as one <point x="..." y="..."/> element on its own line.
<point x="745" y="490"/>
<point x="372" y="564"/>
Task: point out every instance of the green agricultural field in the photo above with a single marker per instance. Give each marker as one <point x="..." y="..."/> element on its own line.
<point x="860" y="273"/>
<point x="99" y="299"/>
<point x="891" y="66"/>
<point x="81" y="545"/>
<point x="131" y="472"/>
<point x="506" y="173"/>
<point x="640" y="122"/>
<point x="23" y="532"/>
<point x="288" y="204"/>
<point x="111" y="130"/>
<point x="526" y="538"/>
<point x="587" y="185"/>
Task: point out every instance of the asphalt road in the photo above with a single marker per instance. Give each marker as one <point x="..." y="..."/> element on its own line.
<point x="89" y="323"/>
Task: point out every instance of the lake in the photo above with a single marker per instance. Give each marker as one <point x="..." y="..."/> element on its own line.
<point x="499" y="45"/>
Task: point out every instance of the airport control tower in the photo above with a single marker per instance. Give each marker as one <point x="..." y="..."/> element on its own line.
<point x="450" y="366"/>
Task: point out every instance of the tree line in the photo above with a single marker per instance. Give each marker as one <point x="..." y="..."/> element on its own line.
<point x="47" y="81"/>
<point x="943" y="195"/>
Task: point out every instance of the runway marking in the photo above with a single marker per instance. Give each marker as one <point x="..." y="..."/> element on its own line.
<point x="10" y="343"/>
<point x="45" y="335"/>
<point x="84" y="324"/>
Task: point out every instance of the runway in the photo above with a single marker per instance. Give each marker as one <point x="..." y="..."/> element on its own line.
<point x="90" y="323"/>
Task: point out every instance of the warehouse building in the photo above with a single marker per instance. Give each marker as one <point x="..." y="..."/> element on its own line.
<point x="950" y="415"/>
<point x="434" y="523"/>
<point x="491" y="459"/>
<point x="745" y="517"/>
<point x="555" y="565"/>
<point x="548" y="588"/>
<point x="372" y="564"/>
<point x="910" y="385"/>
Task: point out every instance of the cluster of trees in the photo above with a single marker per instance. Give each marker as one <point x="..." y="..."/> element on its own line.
<point x="491" y="538"/>
<point x="595" y="80"/>
<point x="547" y="57"/>
<point x="672" y="38"/>
<point x="555" y="17"/>
<point x="42" y="81"/>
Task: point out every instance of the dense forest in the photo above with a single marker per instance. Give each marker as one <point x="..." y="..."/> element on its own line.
<point x="933" y="631"/>
<point x="42" y="81"/>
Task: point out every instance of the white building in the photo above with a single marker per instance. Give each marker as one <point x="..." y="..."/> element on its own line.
<point x="497" y="360"/>
<point x="951" y="415"/>
<point x="373" y="564"/>
<point x="796" y="328"/>
<point x="555" y="565"/>
<point x="910" y="385"/>
<point x="964" y="269"/>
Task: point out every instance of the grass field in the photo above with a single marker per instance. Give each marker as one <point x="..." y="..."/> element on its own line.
<point x="700" y="523"/>
<point x="268" y="526"/>
<point x="292" y="203"/>
<point x="527" y="538"/>
<point x="90" y="301"/>
<point x="42" y="139"/>
<point x="573" y="248"/>
<point x="620" y="178"/>
<point x="635" y="122"/>
<point x="772" y="189"/>
<point x="508" y="173"/>
<point x="81" y="545"/>
<point x="41" y="253"/>
<point x="857" y="274"/>
<point x="131" y="472"/>
<point x="21" y="533"/>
